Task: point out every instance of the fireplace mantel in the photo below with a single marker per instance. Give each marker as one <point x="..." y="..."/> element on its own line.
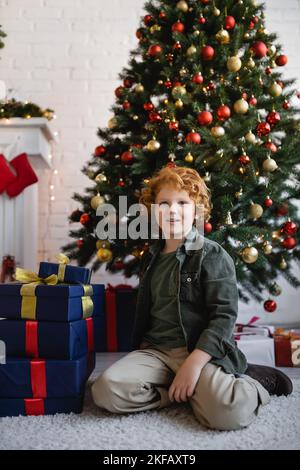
<point x="19" y="216"/>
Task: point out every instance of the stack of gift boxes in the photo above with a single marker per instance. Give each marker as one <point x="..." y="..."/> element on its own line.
<point x="47" y="332"/>
<point x="268" y="345"/>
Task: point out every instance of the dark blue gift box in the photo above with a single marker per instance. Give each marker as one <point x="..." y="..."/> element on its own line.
<point x="47" y="340"/>
<point x="72" y="274"/>
<point x="40" y="406"/>
<point x="34" y="378"/>
<point x="61" y="302"/>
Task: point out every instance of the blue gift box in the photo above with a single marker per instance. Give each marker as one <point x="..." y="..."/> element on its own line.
<point x="61" y="302"/>
<point x="40" y="406"/>
<point x="72" y="274"/>
<point x="35" y="378"/>
<point x="47" y="340"/>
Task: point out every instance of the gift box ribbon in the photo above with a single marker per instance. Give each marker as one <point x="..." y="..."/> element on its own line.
<point x="111" y="315"/>
<point x="34" y="406"/>
<point x="241" y="326"/>
<point x="63" y="260"/>
<point x="90" y="334"/>
<point x="38" y="378"/>
<point x="31" y="280"/>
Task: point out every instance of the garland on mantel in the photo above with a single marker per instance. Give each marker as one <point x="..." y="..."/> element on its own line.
<point x="12" y="109"/>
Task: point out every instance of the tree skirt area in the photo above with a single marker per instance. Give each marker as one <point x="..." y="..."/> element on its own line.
<point x="276" y="427"/>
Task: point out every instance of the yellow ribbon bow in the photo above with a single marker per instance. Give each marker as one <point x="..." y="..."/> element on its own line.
<point x="30" y="281"/>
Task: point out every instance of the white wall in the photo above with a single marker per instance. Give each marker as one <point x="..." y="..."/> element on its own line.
<point x="66" y="54"/>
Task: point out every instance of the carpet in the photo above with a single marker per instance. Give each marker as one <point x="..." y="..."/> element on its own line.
<point x="276" y="427"/>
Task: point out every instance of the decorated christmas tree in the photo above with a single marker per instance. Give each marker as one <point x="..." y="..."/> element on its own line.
<point x="203" y="89"/>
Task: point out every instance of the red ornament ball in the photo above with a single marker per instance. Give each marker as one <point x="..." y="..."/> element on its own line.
<point x="204" y="118"/>
<point x="285" y="104"/>
<point x="127" y="82"/>
<point x="148" y="106"/>
<point x="283" y="209"/>
<point x="148" y="20"/>
<point x="268" y="202"/>
<point x="273" y="118"/>
<point x="229" y="22"/>
<point x="202" y="20"/>
<point x="289" y="228"/>
<point x="162" y="15"/>
<point x="85" y="219"/>
<point x="119" y="91"/>
<point x="174" y="125"/>
<point x="223" y="112"/>
<point x="263" y="128"/>
<point x="154" y="117"/>
<point x="193" y="138"/>
<point x="198" y="78"/>
<point x="207" y="227"/>
<point x="207" y="53"/>
<point x="253" y="101"/>
<point x="270" y="305"/>
<point x="244" y="159"/>
<point x="178" y="27"/>
<point x="168" y="84"/>
<point x="259" y="49"/>
<point x="100" y="150"/>
<point x="80" y="243"/>
<point x="154" y="50"/>
<point x="281" y="60"/>
<point x="139" y="34"/>
<point x="268" y="70"/>
<point x="271" y="146"/>
<point x="127" y="157"/>
<point x="126" y="105"/>
<point x="177" y="46"/>
<point x="289" y="243"/>
<point x="205" y="2"/>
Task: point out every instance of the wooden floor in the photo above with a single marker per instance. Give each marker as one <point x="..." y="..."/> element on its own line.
<point x="105" y="360"/>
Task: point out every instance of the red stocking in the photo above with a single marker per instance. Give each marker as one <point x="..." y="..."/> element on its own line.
<point x="25" y="175"/>
<point x="6" y="175"/>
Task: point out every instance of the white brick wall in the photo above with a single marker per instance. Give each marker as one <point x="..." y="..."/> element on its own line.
<point x="66" y="54"/>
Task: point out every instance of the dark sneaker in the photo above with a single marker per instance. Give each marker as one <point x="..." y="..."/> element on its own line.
<point x="273" y="380"/>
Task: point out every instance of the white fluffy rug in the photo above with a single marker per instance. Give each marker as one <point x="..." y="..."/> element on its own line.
<point x="173" y="428"/>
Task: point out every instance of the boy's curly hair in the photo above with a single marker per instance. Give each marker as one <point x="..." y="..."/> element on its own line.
<point x="181" y="178"/>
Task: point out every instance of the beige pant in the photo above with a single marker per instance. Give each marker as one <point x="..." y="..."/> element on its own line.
<point x="141" y="379"/>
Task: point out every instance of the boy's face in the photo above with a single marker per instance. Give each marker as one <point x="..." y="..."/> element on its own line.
<point x="174" y="212"/>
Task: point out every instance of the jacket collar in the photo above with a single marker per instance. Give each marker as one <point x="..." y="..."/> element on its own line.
<point x="186" y="247"/>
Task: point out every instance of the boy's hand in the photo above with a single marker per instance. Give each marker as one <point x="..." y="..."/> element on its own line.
<point x="187" y="376"/>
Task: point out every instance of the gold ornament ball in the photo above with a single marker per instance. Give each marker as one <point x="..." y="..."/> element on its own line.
<point x="249" y="254"/>
<point x="191" y="51"/>
<point x="135" y="117"/>
<point x="234" y="63"/>
<point x="96" y="201"/>
<point x="269" y="165"/>
<point x="139" y="88"/>
<point x="196" y="33"/>
<point x="246" y="36"/>
<point x="223" y="37"/>
<point x="179" y="104"/>
<point x="275" y="89"/>
<point x="267" y="248"/>
<point x="178" y="91"/>
<point x="217" y="131"/>
<point x="241" y="106"/>
<point x="283" y="264"/>
<point x="238" y="194"/>
<point x="250" y="137"/>
<point x="182" y="72"/>
<point x="104" y="255"/>
<point x="189" y="158"/>
<point x="112" y="123"/>
<point x="216" y="11"/>
<point x="255" y="211"/>
<point x="153" y="145"/>
<point x="207" y="177"/>
<point x="251" y="63"/>
<point x="100" y="178"/>
<point x="182" y="6"/>
<point x="102" y="244"/>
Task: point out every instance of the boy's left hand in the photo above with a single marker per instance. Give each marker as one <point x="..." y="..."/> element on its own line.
<point x="185" y="381"/>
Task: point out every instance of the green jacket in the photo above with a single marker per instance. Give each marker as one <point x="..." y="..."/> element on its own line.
<point x="207" y="297"/>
